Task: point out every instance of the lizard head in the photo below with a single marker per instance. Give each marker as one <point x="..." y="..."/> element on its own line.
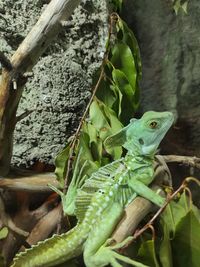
<point x="143" y="136"/>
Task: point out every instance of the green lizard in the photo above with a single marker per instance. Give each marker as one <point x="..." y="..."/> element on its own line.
<point x="99" y="202"/>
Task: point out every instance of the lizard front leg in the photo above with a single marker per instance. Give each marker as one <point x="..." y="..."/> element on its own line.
<point x="144" y="191"/>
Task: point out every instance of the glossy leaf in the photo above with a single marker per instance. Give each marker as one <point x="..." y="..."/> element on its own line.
<point x="186" y="242"/>
<point x="61" y="164"/>
<point x="84" y="143"/>
<point x="106" y="123"/>
<point x="174" y="212"/>
<point x="129" y="39"/>
<point x="115" y="126"/>
<point x="106" y="94"/>
<point x="147" y="253"/>
<point x="165" y="251"/>
<point x="99" y="120"/>
<point x="112" y="119"/>
<point x="128" y="101"/>
<point x="123" y="60"/>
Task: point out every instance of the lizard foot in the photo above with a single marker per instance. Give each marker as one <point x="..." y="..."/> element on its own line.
<point x="107" y="255"/>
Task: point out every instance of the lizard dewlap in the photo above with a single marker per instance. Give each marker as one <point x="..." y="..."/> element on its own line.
<point x="99" y="201"/>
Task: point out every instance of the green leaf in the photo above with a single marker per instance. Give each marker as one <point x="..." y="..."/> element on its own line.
<point x="106" y="123"/>
<point x="95" y="143"/>
<point x="117" y="104"/>
<point x="128" y="103"/>
<point x="105" y="92"/>
<point x="174" y="212"/>
<point x="123" y="84"/>
<point x="185" y="6"/>
<point x="181" y="237"/>
<point x="99" y="121"/>
<point x="165" y="252"/>
<point x="115" y="126"/>
<point x="3" y="232"/>
<point x="147" y="253"/>
<point x="61" y="164"/>
<point x="92" y="132"/>
<point x="84" y="143"/>
<point x="103" y="119"/>
<point x="186" y="242"/>
<point x="112" y="119"/>
<point x="129" y="39"/>
<point x="123" y="60"/>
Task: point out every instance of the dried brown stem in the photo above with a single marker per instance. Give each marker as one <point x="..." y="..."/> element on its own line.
<point x="24" y="115"/>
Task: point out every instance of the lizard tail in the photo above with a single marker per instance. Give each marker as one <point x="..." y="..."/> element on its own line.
<point x="52" y="251"/>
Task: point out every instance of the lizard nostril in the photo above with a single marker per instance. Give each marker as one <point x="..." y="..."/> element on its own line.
<point x="141" y="141"/>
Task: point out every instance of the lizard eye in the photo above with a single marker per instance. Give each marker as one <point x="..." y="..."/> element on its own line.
<point x="153" y="124"/>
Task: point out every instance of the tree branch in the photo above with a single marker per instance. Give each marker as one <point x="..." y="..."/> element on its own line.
<point x="34" y="183"/>
<point x="186" y="160"/>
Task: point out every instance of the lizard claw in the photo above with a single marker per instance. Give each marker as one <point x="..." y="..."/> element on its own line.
<point x="111" y="257"/>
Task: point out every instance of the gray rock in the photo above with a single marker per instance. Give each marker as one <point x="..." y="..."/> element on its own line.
<point x="170" y="49"/>
<point x="60" y="88"/>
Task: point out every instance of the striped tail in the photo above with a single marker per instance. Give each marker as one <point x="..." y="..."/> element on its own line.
<point x="52" y="251"/>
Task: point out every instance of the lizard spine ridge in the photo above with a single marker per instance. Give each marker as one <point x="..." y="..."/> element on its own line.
<point x="54" y="250"/>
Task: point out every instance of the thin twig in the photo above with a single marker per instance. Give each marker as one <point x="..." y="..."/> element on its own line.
<point x="24" y="115"/>
<point x="5" y="62"/>
<point x="168" y="200"/>
<point x="79" y="128"/>
<point x="76" y="135"/>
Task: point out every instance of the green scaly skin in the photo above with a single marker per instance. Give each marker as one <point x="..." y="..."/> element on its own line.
<point x="99" y="203"/>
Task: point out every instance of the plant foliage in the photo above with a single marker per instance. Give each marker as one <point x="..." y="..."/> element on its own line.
<point x="180" y="5"/>
<point x="115" y="102"/>
<point x="178" y="241"/>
